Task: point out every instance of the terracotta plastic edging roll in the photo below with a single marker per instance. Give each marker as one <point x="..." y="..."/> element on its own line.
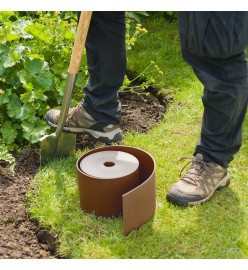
<point x="132" y="196"/>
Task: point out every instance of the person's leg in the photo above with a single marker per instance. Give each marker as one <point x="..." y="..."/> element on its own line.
<point x="106" y="60"/>
<point x="220" y="63"/>
<point x="99" y="113"/>
<point x="225" y="105"/>
<point x="214" y="43"/>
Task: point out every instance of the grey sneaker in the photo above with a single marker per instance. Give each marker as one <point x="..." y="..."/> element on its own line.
<point x="78" y="121"/>
<point x="199" y="183"/>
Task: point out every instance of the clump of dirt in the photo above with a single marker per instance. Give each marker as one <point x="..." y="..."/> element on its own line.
<point x="19" y="236"/>
<point x="139" y="115"/>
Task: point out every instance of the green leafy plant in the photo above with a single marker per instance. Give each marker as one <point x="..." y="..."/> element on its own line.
<point x="151" y="74"/>
<point x="148" y="77"/>
<point x="6" y="156"/>
<point x="35" y="50"/>
<point x="133" y="33"/>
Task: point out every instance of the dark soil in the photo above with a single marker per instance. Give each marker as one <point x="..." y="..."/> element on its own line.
<point x="18" y="235"/>
<point x="21" y="237"/>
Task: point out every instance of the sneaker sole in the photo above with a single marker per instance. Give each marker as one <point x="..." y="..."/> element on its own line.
<point x="222" y="184"/>
<point x="105" y="137"/>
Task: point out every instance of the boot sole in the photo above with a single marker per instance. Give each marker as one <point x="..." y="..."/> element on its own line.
<point x="105" y="137"/>
<point x="222" y="184"/>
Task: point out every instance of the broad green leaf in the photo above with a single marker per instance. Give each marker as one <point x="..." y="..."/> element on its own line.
<point x="4" y="98"/>
<point x="38" y="94"/>
<point x="17" y="57"/>
<point x="61" y="88"/>
<point x="9" y="92"/>
<point x="43" y="81"/>
<point x="81" y="80"/>
<point x="133" y="15"/>
<point x="57" y="68"/>
<point x="136" y="15"/>
<point x="14" y="107"/>
<point x="68" y="15"/>
<point x="64" y="72"/>
<point x="73" y="103"/>
<point x="11" y="37"/>
<point x="18" y="49"/>
<point x="28" y="113"/>
<point x="36" y="106"/>
<point x="69" y="35"/>
<point x="2" y="38"/>
<point x="12" y="78"/>
<point x="9" y="132"/>
<point x="4" y="15"/>
<point x="28" y="87"/>
<point x="9" y="60"/>
<point x="39" y="31"/>
<point x="20" y="26"/>
<point x="26" y="96"/>
<point x="66" y="50"/>
<point x="34" y="66"/>
<point x="24" y="76"/>
<point x="30" y="96"/>
<point x="31" y="46"/>
<point x="34" y="131"/>
<point x="4" y="49"/>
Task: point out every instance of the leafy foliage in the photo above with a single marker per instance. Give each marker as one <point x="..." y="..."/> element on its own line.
<point x="6" y="156"/>
<point x="151" y="75"/>
<point x="35" y="49"/>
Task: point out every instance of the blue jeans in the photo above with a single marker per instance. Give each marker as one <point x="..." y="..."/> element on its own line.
<point x="214" y="44"/>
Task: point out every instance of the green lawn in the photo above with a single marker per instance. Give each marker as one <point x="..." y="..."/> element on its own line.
<point x="217" y="229"/>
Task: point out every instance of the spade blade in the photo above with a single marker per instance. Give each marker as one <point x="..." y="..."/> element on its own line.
<point x="53" y="146"/>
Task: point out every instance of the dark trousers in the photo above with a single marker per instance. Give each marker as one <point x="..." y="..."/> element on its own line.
<point x="106" y="61"/>
<point x="214" y="44"/>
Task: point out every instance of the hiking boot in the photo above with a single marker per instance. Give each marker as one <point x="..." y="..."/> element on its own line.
<point x="78" y="121"/>
<point x="199" y="183"/>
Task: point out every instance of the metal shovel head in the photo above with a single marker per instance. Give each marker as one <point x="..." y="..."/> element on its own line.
<point x="53" y="146"/>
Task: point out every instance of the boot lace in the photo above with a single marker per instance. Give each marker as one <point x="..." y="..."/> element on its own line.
<point x="196" y="170"/>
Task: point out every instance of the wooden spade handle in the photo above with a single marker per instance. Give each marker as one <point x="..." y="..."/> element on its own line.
<point x="79" y="43"/>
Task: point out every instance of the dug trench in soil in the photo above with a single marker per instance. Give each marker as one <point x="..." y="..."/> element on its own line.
<point x="22" y="238"/>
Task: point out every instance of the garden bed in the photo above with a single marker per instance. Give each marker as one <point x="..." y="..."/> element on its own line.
<point x="19" y="236"/>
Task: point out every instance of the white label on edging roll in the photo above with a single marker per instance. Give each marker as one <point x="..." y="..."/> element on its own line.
<point x="109" y="164"/>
